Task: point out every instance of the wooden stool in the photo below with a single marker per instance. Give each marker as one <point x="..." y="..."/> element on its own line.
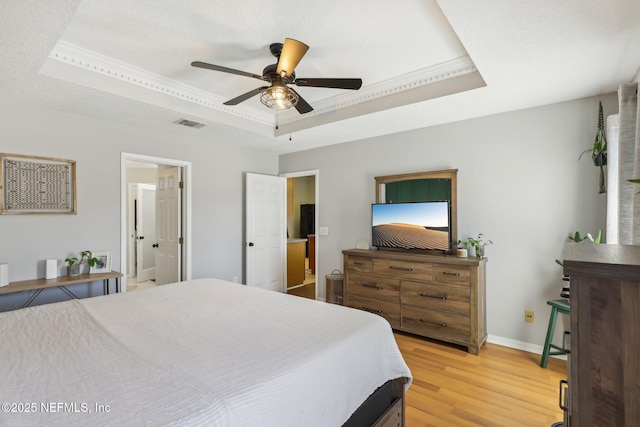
<point x="557" y="305"/>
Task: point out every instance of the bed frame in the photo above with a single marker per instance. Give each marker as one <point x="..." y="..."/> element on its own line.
<point x="384" y="408"/>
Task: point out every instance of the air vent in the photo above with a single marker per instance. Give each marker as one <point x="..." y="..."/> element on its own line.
<point x="189" y="123"/>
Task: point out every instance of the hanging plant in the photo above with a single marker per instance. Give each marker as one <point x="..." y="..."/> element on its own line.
<point x="599" y="149"/>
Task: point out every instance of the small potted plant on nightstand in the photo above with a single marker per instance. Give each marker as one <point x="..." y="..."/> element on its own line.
<point x="75" y="263"/>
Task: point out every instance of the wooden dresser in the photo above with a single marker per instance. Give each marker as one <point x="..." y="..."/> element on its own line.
<point x="604" y="363"/>
<point x="441" y="297"/>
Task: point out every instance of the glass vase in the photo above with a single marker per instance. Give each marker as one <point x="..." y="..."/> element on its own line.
<point x="74" y="270"/>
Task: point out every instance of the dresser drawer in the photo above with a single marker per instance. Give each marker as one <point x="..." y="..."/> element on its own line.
<point x="378" y="288"/>
<point x="403" y="269"/>
<point x="361" y="264"/>
<point x="435" y="323"/>
<point x="452" y="299"/>
<point x="390" y="311"/>
<point x="453" y="274"/>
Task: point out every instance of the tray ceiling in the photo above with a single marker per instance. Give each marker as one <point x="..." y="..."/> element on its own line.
<point x="421" y="62"/>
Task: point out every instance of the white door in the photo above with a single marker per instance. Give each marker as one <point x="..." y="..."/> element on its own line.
<point x="265" y="227"/>
<point x="145" y="232"/>
<point x="168" y="260"/>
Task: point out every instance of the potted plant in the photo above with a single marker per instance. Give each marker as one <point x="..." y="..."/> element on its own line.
<point x="477" y="244"/>
<point x="599" y="148"/>
<point x="75" y="263"/>
<point x="577" y="238"/>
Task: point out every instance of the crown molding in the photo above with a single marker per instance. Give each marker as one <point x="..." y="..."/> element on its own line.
<point x="77" y="56"/>
<point x="370" y="92"/>
<point x="269" y="121"/>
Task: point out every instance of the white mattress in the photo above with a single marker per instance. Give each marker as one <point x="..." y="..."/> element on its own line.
<point x="204" y="352"/>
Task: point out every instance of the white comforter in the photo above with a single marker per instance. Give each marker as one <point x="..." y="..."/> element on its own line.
<point x="204" y="352"/>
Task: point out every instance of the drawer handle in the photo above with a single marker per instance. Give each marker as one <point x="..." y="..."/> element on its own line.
<point x="564" y="388"/>
<point x="359" y="263"/>
<point x="450" y="274"/>
<point x="371" y="310"/>
<point x="393" y="267"/>
<point x="366" y="285"/>
<point x="564" y="341"/>
<point x="433" y="296"/>
<point x="444" y="325"/>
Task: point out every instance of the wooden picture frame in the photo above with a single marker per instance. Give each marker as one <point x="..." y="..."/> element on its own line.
<point x="104" y="265"/>
<point x="37" y="185"/>
<point x="447" y="174"/>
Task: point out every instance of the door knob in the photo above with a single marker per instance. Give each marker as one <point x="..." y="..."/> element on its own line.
<point x="140" y="237"/>
<point x="250" y="244"/>
<point x="155" y="245"/>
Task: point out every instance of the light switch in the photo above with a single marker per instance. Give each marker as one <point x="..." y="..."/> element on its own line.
<point x="323" y="231"/>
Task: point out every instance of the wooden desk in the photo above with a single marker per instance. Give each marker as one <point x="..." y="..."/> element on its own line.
<point x="61" y="282"/>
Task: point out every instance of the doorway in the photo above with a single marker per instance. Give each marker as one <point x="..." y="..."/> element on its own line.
<point x="155" y="221"/>
<point x="142" y="230"/>
<point x="302" y="224"/>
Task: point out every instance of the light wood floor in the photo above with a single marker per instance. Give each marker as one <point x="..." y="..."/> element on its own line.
<point x="498" y="387"/>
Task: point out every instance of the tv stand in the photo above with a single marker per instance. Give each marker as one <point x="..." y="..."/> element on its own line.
<point x="435" y="296"/>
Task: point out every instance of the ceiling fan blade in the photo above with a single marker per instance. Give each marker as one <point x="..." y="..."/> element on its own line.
<point x="237" y="100"/>
<point x="292" y="53"/>
<point x="354" y="84"/>
<point x="199" y="64"/>
<point x="302" y="106"/>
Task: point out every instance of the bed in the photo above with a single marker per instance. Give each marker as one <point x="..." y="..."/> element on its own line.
<point x="201" y="352"/>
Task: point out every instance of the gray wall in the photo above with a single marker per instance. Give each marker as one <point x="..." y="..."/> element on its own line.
<point x="217" y="184"/>
<point x="519" y="183"/>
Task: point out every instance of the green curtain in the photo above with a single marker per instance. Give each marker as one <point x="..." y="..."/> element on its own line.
<point x="418" y="190"/>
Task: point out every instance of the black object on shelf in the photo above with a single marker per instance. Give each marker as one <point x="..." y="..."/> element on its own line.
<point x="307" y="221"/>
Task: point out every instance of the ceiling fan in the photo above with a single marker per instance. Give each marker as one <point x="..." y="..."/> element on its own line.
<point x="279" y="95"/>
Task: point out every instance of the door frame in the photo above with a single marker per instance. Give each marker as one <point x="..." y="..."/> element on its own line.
<point x="315" y="173"/>
<point x="186" y="210"/>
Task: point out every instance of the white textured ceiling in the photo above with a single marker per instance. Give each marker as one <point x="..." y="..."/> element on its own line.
<point x="422" y="62"/>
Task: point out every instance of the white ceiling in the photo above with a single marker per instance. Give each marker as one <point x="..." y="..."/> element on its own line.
<point x="422" y="62"/>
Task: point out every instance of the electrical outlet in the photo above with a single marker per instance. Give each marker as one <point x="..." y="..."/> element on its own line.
<point x="528" y="316"/>
<point x="235" y="279"/>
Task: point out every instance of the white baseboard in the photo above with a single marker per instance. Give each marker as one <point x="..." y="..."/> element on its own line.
<point x="519" y="345"/>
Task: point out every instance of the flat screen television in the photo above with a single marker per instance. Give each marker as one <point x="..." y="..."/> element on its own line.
<point x="412" y="226"/>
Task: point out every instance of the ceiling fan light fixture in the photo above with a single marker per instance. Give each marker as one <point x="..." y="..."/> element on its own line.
<point x="279" y="97"/>
<point x="292" y="52"/>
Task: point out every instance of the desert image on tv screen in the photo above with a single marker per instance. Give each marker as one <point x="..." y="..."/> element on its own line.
<point x="411" y="225"/>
